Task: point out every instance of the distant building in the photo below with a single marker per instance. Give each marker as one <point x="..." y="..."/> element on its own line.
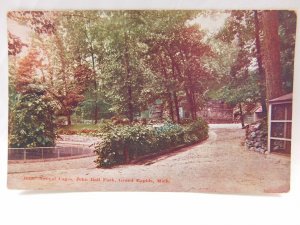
<point x="154" y="112"/>
<point x="253" y="114"/>
<point x="216" y="111"/>
<point x="213" y="112"/>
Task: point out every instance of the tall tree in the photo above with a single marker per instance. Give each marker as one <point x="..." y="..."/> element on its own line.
<point x="240" y="84"/>
<point x="271" y="54"/>
<point x="66" y="81"/>
<point x="64" y="78"/>
<point x="85" y="36"/>
<point x="125" y="75"/>
<point x="261" y="71"/>
<point x="28" y="71"/>
<point x="176" y="56"/>
<point x="287" y="34"/>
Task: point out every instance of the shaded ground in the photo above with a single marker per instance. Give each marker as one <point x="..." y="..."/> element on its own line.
<point x="220" y="164"/>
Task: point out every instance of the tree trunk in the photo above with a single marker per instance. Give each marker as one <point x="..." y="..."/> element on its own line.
<point x="194" y="105"/>
<point x="169" y="95"/>
<point x="175" y="68"/>
<point x="96" y="113"/>
<point x="242" y="116"/>
<point x="190" y="94"/>
<point x="96" y="110"/>
<point x="176" y="107"/>
<point x="260" y="66"/>
<point x="128" y="77"/>
<point x="271" y="54"/>
<point x="95" y="90"/>
<point x="69" y="119"/>
<point x="190" y="101"/>
<point x="170" y="105"/>
<point x="130" y="106"/>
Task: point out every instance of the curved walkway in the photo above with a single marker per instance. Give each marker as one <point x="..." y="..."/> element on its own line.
<point x="220" y="164"/>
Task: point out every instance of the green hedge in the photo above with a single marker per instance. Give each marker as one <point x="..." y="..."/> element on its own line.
<point x="122" y="143"/>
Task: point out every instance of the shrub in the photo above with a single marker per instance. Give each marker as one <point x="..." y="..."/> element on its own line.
<point x="196" y="131"/>
<point x="105" y="126"/>
<point x="32" y="120"/>
<point x="123" y="142"/>
<point x="169" y="135"/>
<point x="119" y="144"/>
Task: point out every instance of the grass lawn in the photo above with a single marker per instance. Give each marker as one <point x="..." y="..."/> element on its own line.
<point x="81" y="126"/>
<point x="78" y="129"/>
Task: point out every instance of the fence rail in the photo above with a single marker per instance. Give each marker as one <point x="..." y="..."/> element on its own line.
<point x="44" y="153"/>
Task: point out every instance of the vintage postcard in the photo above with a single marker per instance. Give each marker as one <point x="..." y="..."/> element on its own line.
<point x="151" y="100"/>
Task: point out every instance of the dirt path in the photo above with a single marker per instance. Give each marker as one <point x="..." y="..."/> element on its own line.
<point x="219" y="164"/>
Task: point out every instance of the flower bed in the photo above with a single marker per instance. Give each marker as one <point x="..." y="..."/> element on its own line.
<point x="123" y="143"/>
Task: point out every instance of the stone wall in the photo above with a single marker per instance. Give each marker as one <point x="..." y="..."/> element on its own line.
<point x="257" y="136"/>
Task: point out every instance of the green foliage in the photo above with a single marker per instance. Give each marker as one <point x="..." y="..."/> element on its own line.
<point x="169" y="135"/>
<point x="237" y="70"/>
<point x="86" y="109"/>
<point x="134" y="139"/>
<point x="105" y="63"/>
<point x="86" y="129"/>
<point x="195" y="131"/>
<point x="287" y="33"/>
<point x="32" y="120"/>
<point x="237" y="74"/>
<point x="105" y="126"/>
<point x="125" y="76"/>
<point x="246" y="90"/>
<point x="120" y="143"/>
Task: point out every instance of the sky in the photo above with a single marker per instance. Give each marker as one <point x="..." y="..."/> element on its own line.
<point x="211" y="23"/>
<point x="18" y="30"/>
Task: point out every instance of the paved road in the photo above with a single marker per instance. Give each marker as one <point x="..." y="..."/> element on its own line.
<point x="219" y="165"/>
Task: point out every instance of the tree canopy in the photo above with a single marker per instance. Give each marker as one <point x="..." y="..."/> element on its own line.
<point x="104" y="63"/>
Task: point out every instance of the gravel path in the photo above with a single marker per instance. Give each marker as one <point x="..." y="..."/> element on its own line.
<point x="218" y="165"/>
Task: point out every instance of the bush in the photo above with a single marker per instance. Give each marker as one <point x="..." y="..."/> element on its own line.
<point x="119" y="144"/>
<point x="169" y="135"/>
<point x="106" y="126"/>
<point x="32" y="120"/>
<point x="196" y="131"/>
<point x="123" y="142"/>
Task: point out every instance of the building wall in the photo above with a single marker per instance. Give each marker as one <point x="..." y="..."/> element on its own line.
<point x="217" y="112"/>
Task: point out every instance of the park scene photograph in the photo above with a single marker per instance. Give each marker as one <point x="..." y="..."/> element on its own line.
<point x="151" y="100"/>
